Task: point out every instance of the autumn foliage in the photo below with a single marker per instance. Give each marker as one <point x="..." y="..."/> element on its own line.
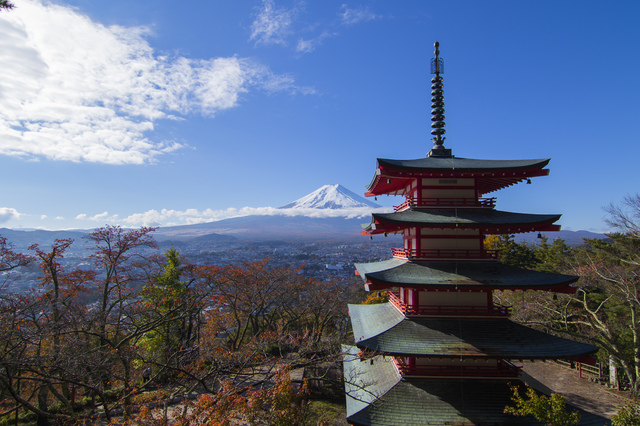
<point x="79" y="343"/>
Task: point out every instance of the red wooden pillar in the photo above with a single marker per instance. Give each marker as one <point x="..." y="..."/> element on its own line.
<point x="415" y="303"/>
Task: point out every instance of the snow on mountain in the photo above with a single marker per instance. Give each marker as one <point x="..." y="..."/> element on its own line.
<point x="333" y="197"/>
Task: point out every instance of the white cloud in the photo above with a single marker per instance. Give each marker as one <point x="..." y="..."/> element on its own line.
<point x="100" y="217"/>
<point x="7" y="214"/>
<point x="166" y="217"/>
<point x="353" y="16"/>
<point x="272" y="25"/>
<point x="75" y="90"/>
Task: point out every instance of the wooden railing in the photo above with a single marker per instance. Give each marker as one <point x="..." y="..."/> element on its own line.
<point x="437" y="310"/>
<point x="402" y="253"/>
<point x="502" y="370"/>
<point x="583" y="369"/>
<point x="447" y="202"/>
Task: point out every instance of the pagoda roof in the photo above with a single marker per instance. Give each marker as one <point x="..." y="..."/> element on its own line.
<point x="378" y="328"/>
<point x="462" y="164"/>
<point x="378" y="396"/>
<point x="392" y="175"/>
<point x="466" y="275"/>
<point x="487" y="220"/>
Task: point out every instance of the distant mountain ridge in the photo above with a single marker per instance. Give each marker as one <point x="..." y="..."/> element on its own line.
<point x="571" y="238"/>
<point x="331" y="212"/>
<point x="330" y="197"/>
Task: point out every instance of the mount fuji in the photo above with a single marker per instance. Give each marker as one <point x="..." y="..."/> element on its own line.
<point x="330" y="197"/>
<point x="331" y="211"/>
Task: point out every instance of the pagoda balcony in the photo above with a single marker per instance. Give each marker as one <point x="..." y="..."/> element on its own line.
<point x="503" y="370"/>
<point x="412" y="202"/>
<point x="443" y="254"/>
<point x="448" y="311"/>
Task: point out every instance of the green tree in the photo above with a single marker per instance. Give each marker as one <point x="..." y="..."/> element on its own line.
<point x="6" y="5"/>
<point x="627" y="415"/>
<point x="605" y="309"/>
<point x="170" y="295"/>
<point x="550" y="410"/>
<point x="511" y="253"/>
<point x="555" y="257"/>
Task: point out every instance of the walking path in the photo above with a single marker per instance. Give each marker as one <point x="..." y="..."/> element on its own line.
<point x="580" y="392"/>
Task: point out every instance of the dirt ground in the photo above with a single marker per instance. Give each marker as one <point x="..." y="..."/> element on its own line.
<point x="546" y="377"/>
<point x="580" y="392"/>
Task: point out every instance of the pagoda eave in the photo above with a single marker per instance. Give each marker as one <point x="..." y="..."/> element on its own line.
<point x="382" y="328"/>
<point x="376" y="285"/>
<point x="390" y="180"/>
<point x="447" y="275"/>
<point x="391" y="228"/>
<point x="485" y="220"/>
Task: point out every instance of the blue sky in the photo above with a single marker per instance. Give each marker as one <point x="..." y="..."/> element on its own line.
<point x="156" y="113"/>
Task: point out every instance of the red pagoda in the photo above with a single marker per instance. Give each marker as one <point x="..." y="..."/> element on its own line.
<point x="441" y="351"/>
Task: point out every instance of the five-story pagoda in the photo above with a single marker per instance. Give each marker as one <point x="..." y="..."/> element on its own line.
<point x="441" y="351"/>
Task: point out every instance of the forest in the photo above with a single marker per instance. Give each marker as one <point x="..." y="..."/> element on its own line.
<point x="131" y="334"/>
<point x="135" y="329"/>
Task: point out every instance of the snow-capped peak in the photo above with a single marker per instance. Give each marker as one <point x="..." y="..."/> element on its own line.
<point x="330" y="197"/>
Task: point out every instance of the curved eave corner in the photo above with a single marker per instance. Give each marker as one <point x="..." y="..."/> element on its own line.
<point x="382" y="223"/>
<point x="383" y="329"/>
<point x="382" y="185"/>
<point x="435" y="275"/>
<point x="376" y="228"/>
<point x="393" y="176"/>
<point x="372" y="284"/>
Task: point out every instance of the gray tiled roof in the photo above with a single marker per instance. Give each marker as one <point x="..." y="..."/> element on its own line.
<point x="479" y="217"/>
<point x="469" y="274"/>
<point x="377" y="396"/>
<point x="375" y="328"/>
<point x="463" y="164"/>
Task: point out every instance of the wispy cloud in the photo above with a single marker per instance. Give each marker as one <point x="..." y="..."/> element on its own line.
<point x="279" y="25"/>
<point x="166" y="217"/>
<point x="272" y="25"/>
<point x="75" y="90"/>
<point x="350" y="16"/>
<point x="306" y="46"/>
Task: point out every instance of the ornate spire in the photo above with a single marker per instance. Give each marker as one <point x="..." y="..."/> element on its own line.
<point x="437" y="105"/>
